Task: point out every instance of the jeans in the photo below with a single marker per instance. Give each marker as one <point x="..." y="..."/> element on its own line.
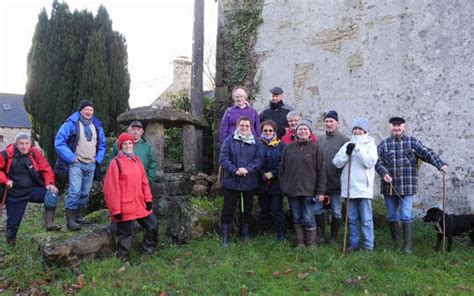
<point x="360" y="209"/>
<point x="231" y="199"/>
<point x="399" y="209"/>
<point x="303" y="210"/>
<point x="336" y="205"/>
<point x="270" y="204"/>
<point x="81" y="176"/>
<point x="16" y="209"/>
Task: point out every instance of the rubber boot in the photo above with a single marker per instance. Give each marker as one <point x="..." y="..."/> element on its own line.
<point x="281" y="232"/>
<point x="407" y="238"/>
<point x="71" y="216"/>
<point x="49" y="220"/>
<point x="311" y="236"/>
<point x="395" y="232"/>
<point x="335" y="224"/>
<point x="225" y="235"/>
<point x="81" y="211"/>
<point x="321" y="230"/>
<point x="299" y="231"/>
<point x="245" y="232"/>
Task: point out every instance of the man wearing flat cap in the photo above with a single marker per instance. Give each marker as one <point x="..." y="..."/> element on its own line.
<point x="397" y="166"/>
<point x="141" y="148"/>
<point x="80" y="145"/>
<point x="277" y="111"/>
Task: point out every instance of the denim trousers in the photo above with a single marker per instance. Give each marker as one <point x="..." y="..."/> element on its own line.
<point x="399" y="209"/>
<point x="336" y="205"/>
<point x="303" y="209"/>
<point x="360" y="216"/>
<point x="81" y="176"/>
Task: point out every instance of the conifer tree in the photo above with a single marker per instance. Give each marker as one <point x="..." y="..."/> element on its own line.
<point x="75" y="56"/>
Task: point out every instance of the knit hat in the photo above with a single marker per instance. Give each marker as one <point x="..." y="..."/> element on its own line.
<point x="332" y="114"/>
<point x="307" y="122"/>
<point x="85" y="103"/>
<point x="124" y="137"/>
<point x="361" y="123"/>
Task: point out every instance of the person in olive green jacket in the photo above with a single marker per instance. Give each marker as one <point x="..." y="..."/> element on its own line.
<point x="141" y="149"/>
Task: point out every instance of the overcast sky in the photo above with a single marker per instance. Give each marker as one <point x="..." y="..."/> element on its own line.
<point x="157" y="31"/>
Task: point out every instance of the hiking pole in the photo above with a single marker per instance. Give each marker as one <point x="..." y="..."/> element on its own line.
<point x="4" y="198"/>
<point x="444" y="213"/>
<point x="241" y="206"/>
<point x="347" y="207"/>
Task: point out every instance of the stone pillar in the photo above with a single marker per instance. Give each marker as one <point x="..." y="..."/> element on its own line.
<point x="155" y="135"/>
<point x="192" y="146"/>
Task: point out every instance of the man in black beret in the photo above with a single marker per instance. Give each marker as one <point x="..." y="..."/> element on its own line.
<point x="277" y="111"/>
<point x="397" y="166"/>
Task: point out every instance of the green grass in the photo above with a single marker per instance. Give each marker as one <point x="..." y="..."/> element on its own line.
<point x="261" y="267"/>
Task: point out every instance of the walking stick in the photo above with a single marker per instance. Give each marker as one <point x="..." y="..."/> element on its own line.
<point x="347" y="207"/>
<point x="4" y="198"/>
<point x="241" y="206"/>
<point x="444" y="213"/>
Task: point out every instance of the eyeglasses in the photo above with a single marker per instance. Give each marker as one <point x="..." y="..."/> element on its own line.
<point x="267" y="130"/>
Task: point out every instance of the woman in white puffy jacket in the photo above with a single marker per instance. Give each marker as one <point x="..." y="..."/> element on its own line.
<point x="364" y="156"/>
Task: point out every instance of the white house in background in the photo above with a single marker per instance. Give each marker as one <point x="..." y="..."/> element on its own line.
<point x="13" y="118"/>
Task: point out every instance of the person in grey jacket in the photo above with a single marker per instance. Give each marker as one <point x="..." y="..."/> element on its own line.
<point x="302" y="178"/>
<point x="330" y="142"/>
<point x="363" y="153"/>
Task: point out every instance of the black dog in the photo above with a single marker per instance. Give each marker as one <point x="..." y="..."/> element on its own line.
<point x="455" y="225"/>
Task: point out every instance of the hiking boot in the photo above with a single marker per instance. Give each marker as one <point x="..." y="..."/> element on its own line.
<point x="310" y="235"/>
<point x="225" y="235"/>
<point x="81" y="210"/>
<point x="321" y="230"/>
<point x="335" y="224"/>
<point x="395" y="232"/>
<point x="299" y="231"/>
<point x="49" y="220"/>
<point x="407" y="238"/>
<point x="71" y="216"/>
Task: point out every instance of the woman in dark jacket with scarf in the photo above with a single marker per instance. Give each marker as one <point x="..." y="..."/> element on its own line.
<point x="241" y="158"/>
<point x="302" y="175"/>
<point x="269" y="194"/>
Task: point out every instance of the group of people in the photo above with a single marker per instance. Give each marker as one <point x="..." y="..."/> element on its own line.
<point x="276" y="154"/>
<point x="26" y="176"/>
<point x="272" y="154"/>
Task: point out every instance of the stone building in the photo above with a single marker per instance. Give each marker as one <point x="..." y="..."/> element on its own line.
<point x="374" y="59"/>
<point x="13" y="118"/>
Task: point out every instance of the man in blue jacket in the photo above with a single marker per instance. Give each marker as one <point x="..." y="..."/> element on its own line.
<point x="80" y="145"/>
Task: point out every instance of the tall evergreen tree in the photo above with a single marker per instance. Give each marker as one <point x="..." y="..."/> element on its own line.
<point x="75" y="56"/>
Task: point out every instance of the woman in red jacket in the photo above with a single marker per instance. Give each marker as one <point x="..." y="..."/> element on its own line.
<point x="128" y="198"/>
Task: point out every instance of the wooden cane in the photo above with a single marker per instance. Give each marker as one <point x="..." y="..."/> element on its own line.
<point x="444" y="213"/>
<point x="347" y="206"/>
<point x="4" y="198"/>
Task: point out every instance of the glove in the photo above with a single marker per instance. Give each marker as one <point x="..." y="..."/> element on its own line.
<point x="350" y="147"/>
<point x="267" y="176"/>
<point x="118" y="216"/>
<point x="149" y="205"/>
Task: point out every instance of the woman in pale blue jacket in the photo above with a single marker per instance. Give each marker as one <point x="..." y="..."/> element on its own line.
<point x="364" y="156"/>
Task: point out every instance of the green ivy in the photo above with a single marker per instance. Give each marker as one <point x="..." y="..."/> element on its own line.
<point x="243" y="24"/>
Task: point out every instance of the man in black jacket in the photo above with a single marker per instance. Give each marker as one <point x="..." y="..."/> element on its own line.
<point x="277" y="111"/>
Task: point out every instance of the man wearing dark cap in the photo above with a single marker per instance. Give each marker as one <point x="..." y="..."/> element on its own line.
<point x="397" y="166"/>
<point x="330" y="142"/>
<point x="141" y="148"/>
<point x="277" y="111"/>
<point x="80" y="145"/>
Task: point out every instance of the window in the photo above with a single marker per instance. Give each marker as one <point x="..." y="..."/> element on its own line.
<point x="1" y="139"/>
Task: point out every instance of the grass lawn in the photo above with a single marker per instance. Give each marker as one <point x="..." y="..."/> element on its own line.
<point x="260" y="267"/>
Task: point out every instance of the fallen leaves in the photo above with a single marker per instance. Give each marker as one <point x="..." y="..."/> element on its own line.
<point x="80" y="282"/>
<point x="276" y="274"/>
<point x="302" y="276"/>
<point x="355" y="281"/>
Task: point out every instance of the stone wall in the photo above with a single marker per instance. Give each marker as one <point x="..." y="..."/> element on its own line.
<point x="7" y="135"/>
<point x="378" y="59"/>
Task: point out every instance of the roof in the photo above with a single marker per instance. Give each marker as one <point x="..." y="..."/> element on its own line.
<point x="12" y="111"/>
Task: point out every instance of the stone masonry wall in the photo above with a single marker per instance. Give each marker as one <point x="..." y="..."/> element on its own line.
<point x="379" y="59"/>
